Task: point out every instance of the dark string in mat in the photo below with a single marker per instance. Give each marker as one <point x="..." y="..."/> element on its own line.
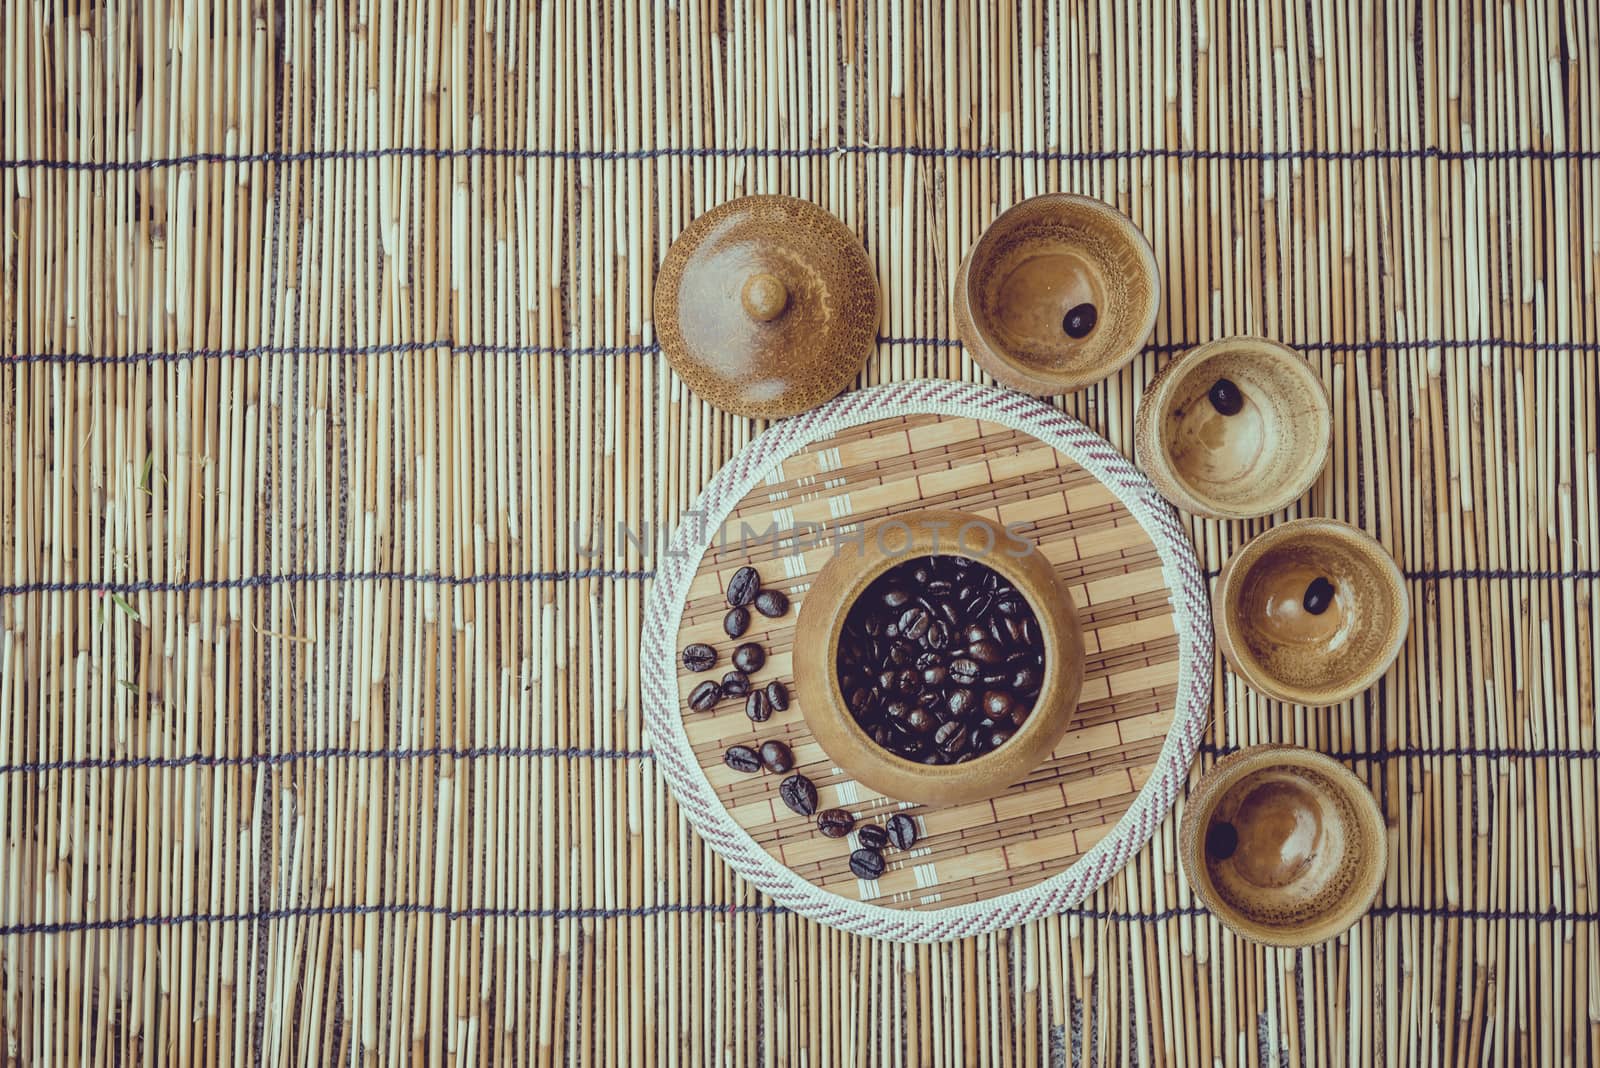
<point x="510" y="578"/>
<point x="711" y="910"/>
<point x="616" y="155"/>
<point x="512" y="752"/>
<point x="1164" y="348"/>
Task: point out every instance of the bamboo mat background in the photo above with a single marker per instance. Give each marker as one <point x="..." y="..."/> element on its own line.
<point x="326" y="349"/>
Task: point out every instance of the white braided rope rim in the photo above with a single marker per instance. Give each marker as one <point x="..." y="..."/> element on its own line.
<point x="663" y="616"/>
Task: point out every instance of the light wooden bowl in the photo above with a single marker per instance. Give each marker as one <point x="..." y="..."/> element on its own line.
<point x="1035" y="263"/>
<point x="1286" y="652"/>
<point x="822" y="615"/>
<point x="1251" y="463"/>
<point x="1284" y="845"/>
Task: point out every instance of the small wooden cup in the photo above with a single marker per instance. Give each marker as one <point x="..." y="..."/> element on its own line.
<point x="1283" y="650"/>
<point x="829" y="600"/>
<point x="1284" y="845"/>
<point x="1257" y="460"/>
<point x="1033" y="265"/>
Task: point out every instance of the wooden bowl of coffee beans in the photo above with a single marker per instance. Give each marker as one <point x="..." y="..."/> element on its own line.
<point x="1312" y="611"/>
<point x="1234" y="429"/>
<point x="1060" y="291"/>
<point x="938" y="658"/>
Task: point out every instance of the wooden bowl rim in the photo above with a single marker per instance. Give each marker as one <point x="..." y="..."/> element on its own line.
<point x="1249" y="668"/>
<point x="1059" y="627"/>
<point x="1029" y="379"/>
<point x="1151" y="418"/>
<point x="1214" y="784"/>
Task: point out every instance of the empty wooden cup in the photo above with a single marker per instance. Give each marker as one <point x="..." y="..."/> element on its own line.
<point x="767" y="306"/>
<point x="1284" y="845"/>
<point x="1234" y="429"/>
<point x="1059" y="292"/>
<point x="846" y="577"/>
<point x="1312" y="611"/>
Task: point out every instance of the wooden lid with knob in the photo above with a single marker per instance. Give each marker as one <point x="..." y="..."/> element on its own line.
<point x="766" y="306"/>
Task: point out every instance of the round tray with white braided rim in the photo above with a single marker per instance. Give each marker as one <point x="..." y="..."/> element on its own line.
<point x="1042" y="845"/>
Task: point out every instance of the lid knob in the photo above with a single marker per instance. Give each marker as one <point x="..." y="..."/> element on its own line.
<point x="764" y="297"/>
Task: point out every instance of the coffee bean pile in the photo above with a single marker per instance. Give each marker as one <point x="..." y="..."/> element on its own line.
<point x="867" y="862"/>
<point x="744" y="590"/>
<point x="760" y="702"/>
<point x="941" y="660"/>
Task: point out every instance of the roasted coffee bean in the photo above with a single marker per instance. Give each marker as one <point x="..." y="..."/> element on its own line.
<point x="1026" y="679"/>
<point x="998" y="704"/>
<point x="935" y="675"/>
<point x="998" y="738"/>
<point x="799" y="794"/>
<point x="757" y="707"/>
<point x="835" y="822"/>
<point x="749" y="657"/>
<point x="866" y="863"/>
<point x="960" y="701"/>
<point x="1226" y="398"/>
<point x="964" y="671"/>
<point x="914" y="622"/>
<point x="742" y="758"/>
<point x="902" y="831"/>
<point x="872" y="836"/>
<point x="735" y="684"/>
<point x="1080" y="320"/>
<point x="1221" y="840"/>
<point x="938" y="637"/>
<point x="772" y="603"/>
<point x="777" y="696"/>
<point x="986" y="652"/>
<point x="918" y="721"/>
<point x="776" y="757"/>
<point x="705" y="696"/>
<point x="743" y="587"/>
<point x="1319" y="595"/>
<point x="909" y="681"/>
<point x="951" y="737"/>
<point x="736" y="622"/>
<point x="895" y="597"/>
<point x="699" y="657"/>
<point x="901" y="654"/>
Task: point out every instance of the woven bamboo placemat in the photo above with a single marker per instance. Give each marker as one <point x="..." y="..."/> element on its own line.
<point x="326" y="377"/>
<point x="785" y="503"/>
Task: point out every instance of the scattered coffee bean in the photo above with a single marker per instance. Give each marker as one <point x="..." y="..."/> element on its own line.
<point x="866" y="863"/>
<point x="749" y="657"/>
<point x="736" y="622"/>
<point x="1226" y="398"/>
<point x="902" y="831"/>
<point x="936" y="656"/>
<point x="699" y="657"/>
<point x="772" y="603"/>
<point x="799" y="794"/>
<point x="1221" y="840"/>
<point x="1080" y="320"/>
<point x="705" y="696"/>
<point x="757" y="707"/>
<point x="776" y="757"/>
<point x="743" y="587"/>
<point x="777" y="696"/>
<point x="835" y="822"/>
<point x="872" y="836"/>
<point x="742" y="758"/>
<point x="1319" y="595"/>
<point x="735" y="684"/>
